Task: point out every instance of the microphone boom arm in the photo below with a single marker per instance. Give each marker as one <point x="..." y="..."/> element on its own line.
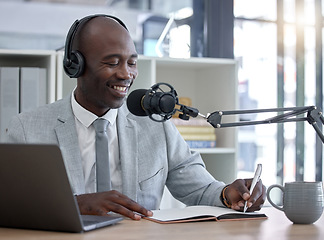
<point x="314" y="117"/>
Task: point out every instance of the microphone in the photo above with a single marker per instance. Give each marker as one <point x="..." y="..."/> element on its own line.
<point x="157" y="101"/>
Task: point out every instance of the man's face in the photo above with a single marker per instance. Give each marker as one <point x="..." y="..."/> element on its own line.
<point x="110" y="68"/>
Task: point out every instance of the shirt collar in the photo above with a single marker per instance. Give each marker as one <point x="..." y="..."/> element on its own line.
<point x="86" y="117"/>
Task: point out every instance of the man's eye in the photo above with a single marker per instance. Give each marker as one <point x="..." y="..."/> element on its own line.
<point x="112" y="63"/>
<point x="132" y="63"/>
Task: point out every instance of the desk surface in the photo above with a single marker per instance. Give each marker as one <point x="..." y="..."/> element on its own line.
<point x="276" y="227"/>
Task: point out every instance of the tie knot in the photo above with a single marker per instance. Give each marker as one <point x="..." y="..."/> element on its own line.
<point x="100" y="125"/>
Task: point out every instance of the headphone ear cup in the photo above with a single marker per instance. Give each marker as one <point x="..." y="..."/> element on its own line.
<point x="75" y="67"/>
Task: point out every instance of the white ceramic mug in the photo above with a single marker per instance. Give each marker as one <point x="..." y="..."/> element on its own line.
<point x="302" y="201"/>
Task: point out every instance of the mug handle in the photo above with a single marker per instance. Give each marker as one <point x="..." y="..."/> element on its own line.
<point x="269" y="199"/>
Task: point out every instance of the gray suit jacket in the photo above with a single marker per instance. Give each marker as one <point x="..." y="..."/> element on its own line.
<point x="152" y="155"/>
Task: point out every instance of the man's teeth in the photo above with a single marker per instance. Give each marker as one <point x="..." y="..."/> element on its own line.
<point x="119" y="88"/>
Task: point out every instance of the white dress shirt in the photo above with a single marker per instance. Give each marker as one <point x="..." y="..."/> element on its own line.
<point x="86" y="136"/>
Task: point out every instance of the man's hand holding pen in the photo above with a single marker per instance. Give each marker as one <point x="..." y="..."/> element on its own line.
<point x="237" y="193"/>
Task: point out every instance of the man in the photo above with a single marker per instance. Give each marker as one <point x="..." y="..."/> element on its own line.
<point x="144" y="155"/>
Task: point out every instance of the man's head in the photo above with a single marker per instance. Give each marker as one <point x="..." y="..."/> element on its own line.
<point x="109" y="57"/>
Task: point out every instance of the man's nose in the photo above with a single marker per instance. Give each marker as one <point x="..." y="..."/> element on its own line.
<point x="125" y="72"/>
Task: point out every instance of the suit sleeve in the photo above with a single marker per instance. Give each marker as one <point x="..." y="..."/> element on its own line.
<point x="15" y="131"/>
<point x="188" y="180"/>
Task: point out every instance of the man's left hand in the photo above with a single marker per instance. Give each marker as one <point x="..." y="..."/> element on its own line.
<point x="238" y="192"/>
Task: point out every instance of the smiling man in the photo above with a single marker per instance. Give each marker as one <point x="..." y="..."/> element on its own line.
<point x="111" y="66"/>
<point x="144" y="156"/>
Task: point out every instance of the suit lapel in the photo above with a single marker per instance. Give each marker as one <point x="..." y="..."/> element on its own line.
<point x="128" y="152"/>
<point x="68" y="142"/>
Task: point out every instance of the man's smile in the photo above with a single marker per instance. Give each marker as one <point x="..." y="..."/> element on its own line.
<point x="120" y="89"/>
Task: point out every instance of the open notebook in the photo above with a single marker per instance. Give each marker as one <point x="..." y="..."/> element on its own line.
<point x="36" y="193"/>
<point x="202" y="213"/>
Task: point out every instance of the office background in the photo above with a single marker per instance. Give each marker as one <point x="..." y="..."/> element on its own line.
<point x="277" y="44"/>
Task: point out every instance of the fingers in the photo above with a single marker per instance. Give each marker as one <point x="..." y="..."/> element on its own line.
<point x="101" y="203"/>
<point x="125" y="206"/>
<point x="257" y="198"/>
<point x="238" y="193"/>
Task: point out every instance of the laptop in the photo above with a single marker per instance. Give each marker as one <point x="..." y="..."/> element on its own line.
<point x="35" y="192"/>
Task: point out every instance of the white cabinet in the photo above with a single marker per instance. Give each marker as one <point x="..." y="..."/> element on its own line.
<point x="32" y="58"/>
<point x="27" y="80"/>
<point x="210" y="83"/>
<point x="212" y="86"/>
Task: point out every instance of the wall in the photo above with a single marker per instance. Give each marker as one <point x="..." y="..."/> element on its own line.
<point x="36" y="23"/>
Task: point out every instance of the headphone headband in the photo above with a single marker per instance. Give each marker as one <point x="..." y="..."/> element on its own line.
<point x="73" y="61"/>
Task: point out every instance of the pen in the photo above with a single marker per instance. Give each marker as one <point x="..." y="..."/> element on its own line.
<point x="255" y="180"/>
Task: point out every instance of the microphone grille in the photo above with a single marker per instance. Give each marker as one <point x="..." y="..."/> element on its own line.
<point x="134" y="102"/>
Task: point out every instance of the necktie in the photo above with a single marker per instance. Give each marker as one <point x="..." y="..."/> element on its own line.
<point x="102" y="155"/>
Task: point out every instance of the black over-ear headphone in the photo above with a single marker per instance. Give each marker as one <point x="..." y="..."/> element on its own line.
<point x="73" y="62"/>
